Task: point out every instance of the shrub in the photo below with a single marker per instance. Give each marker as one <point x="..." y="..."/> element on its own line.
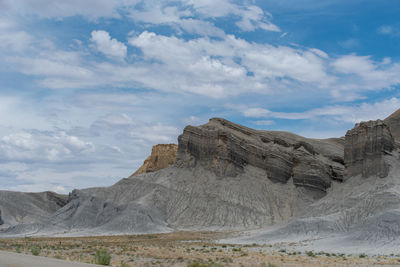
<point x="198" y="264"/>
<point x="18" y="249"/>
<point x="310" y="254"/>
<point x="362" y="255"/>
<point x="271" y="265"/>
<point x="35" y="250"/>
<point x="102" y="257"/>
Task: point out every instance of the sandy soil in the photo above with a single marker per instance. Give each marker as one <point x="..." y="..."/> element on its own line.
<point x="185" y="249"/>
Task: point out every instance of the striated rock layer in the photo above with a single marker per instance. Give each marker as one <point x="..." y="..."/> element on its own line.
<point x="162" y="156"/>
<point x="365" y="147"/>
<point x="226" y="148"/>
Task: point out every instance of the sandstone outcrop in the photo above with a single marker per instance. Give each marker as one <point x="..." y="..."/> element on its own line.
<point x="226" y="148"/>
<point x="365" y="147"/>
<point x="162" y="156"/>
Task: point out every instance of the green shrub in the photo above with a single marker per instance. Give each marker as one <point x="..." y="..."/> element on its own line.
<point x="271" y="265"/>
<point x="102" y="257"/>
<point x="124" y="264"/>
<point x="310" y="254"/>
<point x="18" y="249"/>
<point x="35" y="250"/>
<point x="362" y="255"/>
<point x="198" y="264"/>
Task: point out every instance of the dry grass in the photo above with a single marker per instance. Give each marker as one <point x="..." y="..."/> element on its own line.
<point x="183" y="249"/>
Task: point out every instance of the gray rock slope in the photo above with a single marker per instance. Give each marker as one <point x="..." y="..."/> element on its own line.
<point x="363" y="212"/>
<point x="18" y="207"/>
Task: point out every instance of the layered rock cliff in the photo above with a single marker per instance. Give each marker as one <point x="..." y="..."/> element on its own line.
<point x="162" y="156"/>
<point x="226" y="148"/>
<point x="365" y="147"/>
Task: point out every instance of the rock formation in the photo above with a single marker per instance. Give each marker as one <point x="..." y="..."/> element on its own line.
<point x="228" y="176"/>
<point x="161" y="157"/>
<point x="226" y="148"/>
<point x="365" y="147"/>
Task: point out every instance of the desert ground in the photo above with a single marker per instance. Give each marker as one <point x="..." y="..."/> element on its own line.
<point x="184" y="249"/>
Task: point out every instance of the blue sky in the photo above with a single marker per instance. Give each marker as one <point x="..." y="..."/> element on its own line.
<point x="87" y="87"/>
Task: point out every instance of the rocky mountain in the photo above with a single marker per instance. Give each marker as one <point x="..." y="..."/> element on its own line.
<point x="227" y="176"/>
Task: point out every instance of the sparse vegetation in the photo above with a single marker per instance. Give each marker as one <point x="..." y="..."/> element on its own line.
<point x="102" y="257"/>
<point x="35" y="250"/>
<point x="182" y="249"/>
<point x="310" y="254"/>
<point x="18" y="249"/>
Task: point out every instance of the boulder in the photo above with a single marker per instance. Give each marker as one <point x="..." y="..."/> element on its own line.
<point x="365" y="147"/>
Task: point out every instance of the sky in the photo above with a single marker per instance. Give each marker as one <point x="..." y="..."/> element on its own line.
<point x="88" y="87"/>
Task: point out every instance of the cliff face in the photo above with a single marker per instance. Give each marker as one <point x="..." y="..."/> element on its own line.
<point x="365" y="147"/>
<point x="226" y="148"/>
<point x="162" y="156"/>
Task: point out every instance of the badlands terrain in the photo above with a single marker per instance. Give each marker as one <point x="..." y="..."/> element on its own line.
<point x="267" y="193"/>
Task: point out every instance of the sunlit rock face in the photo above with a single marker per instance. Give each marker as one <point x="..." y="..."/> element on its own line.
<point x="162" y="156"/>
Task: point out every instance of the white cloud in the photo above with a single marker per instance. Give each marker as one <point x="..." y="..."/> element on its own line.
<point x="108" y="46"/>
<point x="12" y="39"/>
<point x="253" y="17"/>
<point x="181" y="14"/>
<point x="264" y="122"/>
<point x="363" y="73"/>
<point x="389" y="30"/>
<point x="341" y="113"/>
<point x="92" y="9"/>
<point x="42" y="146"/>
<point x="256" y="112"/>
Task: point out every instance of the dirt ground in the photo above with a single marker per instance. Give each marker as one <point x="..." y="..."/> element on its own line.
<point x="184" y="249"/>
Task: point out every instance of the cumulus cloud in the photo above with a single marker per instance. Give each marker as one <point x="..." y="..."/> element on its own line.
<point x="42" y="146"/>
<point x="214" y="68"/>
<point x="108" y="46"/>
